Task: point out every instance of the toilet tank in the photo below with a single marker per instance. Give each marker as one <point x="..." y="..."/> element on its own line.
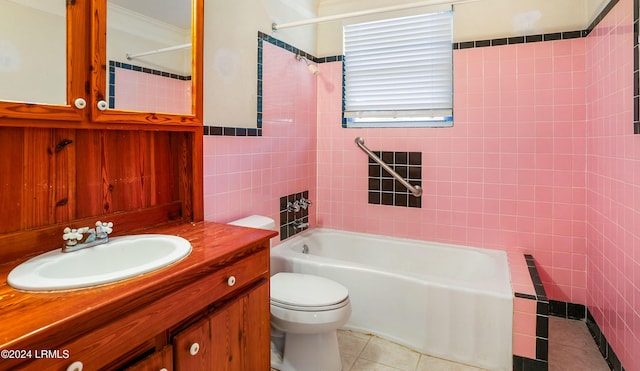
<point x="256" y="221"/>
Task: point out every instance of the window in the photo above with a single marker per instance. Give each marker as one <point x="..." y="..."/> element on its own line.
<point x="399" y="72"/>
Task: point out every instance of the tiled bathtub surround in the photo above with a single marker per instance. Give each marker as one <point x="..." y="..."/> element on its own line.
<point x="384" y="189"/>
<point x="509" y="175"/>
<point x="530" y="315"/>
<point x="613" y="185"/>
<point x="248" y="175"/>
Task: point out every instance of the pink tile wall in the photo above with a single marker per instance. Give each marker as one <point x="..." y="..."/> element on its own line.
<point x="524" y="327"/>
<point x="613" y="184"/>
<point x="141" y="91"/>
<point x="509" y="175"/>
<point x="248" y="175"/>
<point x="524" y="310"/>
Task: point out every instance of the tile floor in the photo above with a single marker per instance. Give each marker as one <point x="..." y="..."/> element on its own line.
<point x="571" y="348"/>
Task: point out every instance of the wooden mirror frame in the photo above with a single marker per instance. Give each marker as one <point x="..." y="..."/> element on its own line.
<point x="636" y="67"/>
<point x="99" y="66"/>
<point x="76" y="72"/>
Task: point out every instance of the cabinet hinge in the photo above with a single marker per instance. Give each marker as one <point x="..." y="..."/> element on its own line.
<point x="71" y="2"/>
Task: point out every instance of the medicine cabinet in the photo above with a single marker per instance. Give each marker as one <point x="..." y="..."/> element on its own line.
<point x="80" y="62"/>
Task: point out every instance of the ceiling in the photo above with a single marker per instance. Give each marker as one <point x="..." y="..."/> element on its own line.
<point x="174" y="12"/>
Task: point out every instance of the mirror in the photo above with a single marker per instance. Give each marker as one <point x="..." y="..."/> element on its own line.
<point x="33" y="51"/>
<point x="149" y="56"/>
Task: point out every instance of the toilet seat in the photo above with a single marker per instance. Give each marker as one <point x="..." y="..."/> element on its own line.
<point x="304" y="292"/>
<point x="310" y="309"/>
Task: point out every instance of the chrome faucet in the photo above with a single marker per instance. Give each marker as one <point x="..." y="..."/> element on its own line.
<point x="81" y="238"/>
<point x="300" y="225"/>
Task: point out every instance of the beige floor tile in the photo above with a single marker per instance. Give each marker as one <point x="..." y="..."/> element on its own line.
<point x="366" y="365"/>
<point x="352" y="343"/>
<point x="390" y="354"/>
<point x="428" y="363"/>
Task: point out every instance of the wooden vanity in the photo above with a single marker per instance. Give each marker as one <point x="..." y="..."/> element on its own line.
<point x="209" y="311"/>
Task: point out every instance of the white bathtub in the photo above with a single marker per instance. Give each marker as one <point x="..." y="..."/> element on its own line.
<point x="448" y="301"/>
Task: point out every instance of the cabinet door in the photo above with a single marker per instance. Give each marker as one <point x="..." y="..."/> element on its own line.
<point x="240" y="332"/>
<point x="146" y="65"/>
<point x="192" y="348"/>
<point x="158" y="361"/>
<point x="42" y="72"/>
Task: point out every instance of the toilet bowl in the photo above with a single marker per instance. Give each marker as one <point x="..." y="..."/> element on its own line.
<point x="306" y="312"/>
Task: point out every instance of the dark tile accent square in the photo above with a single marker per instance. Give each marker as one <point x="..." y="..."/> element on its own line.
<point x="542" y="308"/>
<point x="576" y="311"/>
<point x="552" y="36"/>
<point x="403" y="171"/>
<point x="375" y="171"/>
<point x="542" y="326"/>
<point x="400" y="189"/>
<point x="542" y="349"/>
<point x="402" y="200"/>
<point x="415" y="201"/>
<point x="387" y="157"/>
<point x="558" y="308"/>
<point x="375" y="184"/>
<point x="374" y="198"/>
<point x="387" y="198"/>
<point x="387" y="185"/>
<point x="534" y="365"/>
<point x="467" y="45"/>
<point x="401" y="158"/>
<point x="498" y="42"/>
<point x="382" y="180"/>
<point x="533" y="38"/>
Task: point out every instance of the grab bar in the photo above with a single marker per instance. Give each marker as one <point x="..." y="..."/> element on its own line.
<point x="415" y="190"/>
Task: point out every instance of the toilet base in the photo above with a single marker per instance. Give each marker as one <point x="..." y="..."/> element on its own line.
<point x="310" y="352"/>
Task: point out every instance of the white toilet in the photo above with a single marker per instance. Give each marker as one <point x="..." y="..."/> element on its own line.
<point x="306" y="312"/>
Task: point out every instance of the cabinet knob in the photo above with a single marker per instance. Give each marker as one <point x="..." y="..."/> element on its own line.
<point x="163" y="369"/>
<point x="231" y="281"/>
<point x="80" y="103"/>
<point x="102" y="105"/>
<point x="194" y="349"/>
<point x="75" y="366"/>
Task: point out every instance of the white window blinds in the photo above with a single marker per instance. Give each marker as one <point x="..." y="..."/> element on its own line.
<point x="399" y="72"/>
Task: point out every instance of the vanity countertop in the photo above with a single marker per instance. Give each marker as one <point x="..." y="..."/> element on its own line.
<point x="31" y="320"/>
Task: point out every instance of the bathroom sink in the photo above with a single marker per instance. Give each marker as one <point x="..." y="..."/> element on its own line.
<point x="119" y="259"/>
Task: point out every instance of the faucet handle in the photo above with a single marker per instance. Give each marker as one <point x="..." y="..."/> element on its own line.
<point x="71" y="234"/>
<point x="304" y="203"/>
<point x="105" y="228"/>
<point x="293" y="207"/>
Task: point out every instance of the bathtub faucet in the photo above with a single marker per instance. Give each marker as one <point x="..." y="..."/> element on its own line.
<point x="81" y="238"/>
<point x="300" y="225"/>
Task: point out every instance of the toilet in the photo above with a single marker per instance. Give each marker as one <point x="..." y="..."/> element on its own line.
<point x="306" y="312"/>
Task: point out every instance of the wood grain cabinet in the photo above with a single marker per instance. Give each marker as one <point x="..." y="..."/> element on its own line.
<point x="217" y="322"/>
<point x="233" y="337"/>
<point x="158" y="361"/>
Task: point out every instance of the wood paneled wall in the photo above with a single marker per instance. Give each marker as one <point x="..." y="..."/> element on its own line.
<point x="51" y="178"/>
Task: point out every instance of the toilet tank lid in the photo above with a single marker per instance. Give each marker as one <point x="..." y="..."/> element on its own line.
<point x="256" y="221"/>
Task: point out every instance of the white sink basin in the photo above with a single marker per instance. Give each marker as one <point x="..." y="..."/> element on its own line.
<point x="120" y="258"/>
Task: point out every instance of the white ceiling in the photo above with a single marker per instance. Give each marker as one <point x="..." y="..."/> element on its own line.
<point x="174" y="12"/>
